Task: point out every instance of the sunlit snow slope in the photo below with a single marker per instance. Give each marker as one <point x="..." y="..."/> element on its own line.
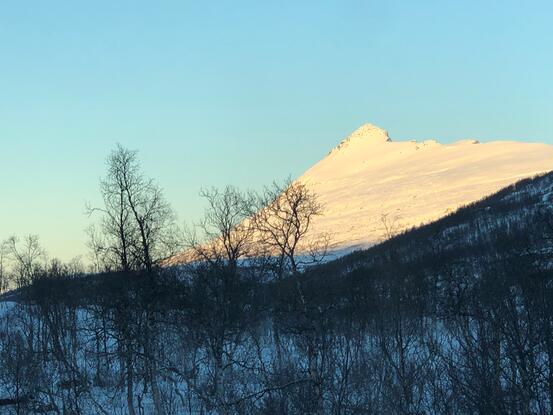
<point x="368" y="177"/>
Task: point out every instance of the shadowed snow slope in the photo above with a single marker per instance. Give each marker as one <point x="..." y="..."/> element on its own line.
<point x="368" y="177"/>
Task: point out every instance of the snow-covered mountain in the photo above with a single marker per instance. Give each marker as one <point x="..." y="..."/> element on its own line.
<point x="373" y="187"/>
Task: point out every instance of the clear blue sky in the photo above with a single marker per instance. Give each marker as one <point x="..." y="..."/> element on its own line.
<point x="237" y="92"/>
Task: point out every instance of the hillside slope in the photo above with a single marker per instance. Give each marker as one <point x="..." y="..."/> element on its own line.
<point x="509" y="233"/>
<point x="372" y="186"/>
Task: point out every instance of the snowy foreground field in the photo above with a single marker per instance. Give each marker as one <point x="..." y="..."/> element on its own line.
<point x="357" y="354"/>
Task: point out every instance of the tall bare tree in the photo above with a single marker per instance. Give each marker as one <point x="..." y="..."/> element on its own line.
<point x="137" y="227"/>
<point x="227" y="231"/>
<point x="137" y="230"/>
<point x="3" y="266"/>
<point x="284" y="220"/>
<point x="27" y="256"/>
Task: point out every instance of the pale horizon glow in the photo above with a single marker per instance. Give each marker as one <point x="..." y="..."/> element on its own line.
<point x="245" y="93"/>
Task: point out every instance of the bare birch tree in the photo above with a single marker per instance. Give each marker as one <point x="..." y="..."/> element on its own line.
<point x="4" y="276"/>
<point x="227" y="231"/>
<point x="137" y="227"/>
<point x="27" y="256"/>
<point x="284" y="220"/>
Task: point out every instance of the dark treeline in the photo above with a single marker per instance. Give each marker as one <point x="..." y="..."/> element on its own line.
<point x="454" y="317"/>
<point x="370" y="344"/>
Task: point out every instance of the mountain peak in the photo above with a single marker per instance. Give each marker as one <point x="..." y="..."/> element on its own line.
<point x="367" y="180"/>
<point x="366" y="133"/>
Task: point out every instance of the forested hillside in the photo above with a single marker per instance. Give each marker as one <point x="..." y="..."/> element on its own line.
<point x="453" y="317"/>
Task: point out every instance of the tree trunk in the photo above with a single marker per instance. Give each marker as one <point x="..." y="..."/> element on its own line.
<point x="130" y="381"/>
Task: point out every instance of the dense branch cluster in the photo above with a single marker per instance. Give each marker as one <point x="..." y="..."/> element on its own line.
<point x="270" y="228"/>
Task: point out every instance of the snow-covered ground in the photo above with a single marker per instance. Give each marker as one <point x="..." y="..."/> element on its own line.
<point x="372" y="187"/>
